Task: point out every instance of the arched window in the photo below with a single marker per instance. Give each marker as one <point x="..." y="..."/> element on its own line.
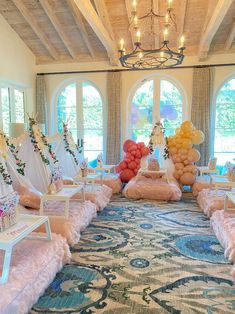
<point x="81" y="104"/>
<point x="156" y="99"/>
<point x="224" y="143"/>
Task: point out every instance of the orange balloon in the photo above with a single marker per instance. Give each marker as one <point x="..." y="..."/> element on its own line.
<point x="187" y="178"/>
<point x="193" y="155"/>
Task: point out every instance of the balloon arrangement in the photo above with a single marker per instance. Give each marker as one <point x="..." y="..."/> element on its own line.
<point x="182" y="152"/>
<point x="130" y="165"/>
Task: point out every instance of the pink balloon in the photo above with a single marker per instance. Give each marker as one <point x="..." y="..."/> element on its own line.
<point x="132" y="165"/>
<point x="132" y="158"/>
<point x="126" y="175"/>
<point x="133" y="147"/>
<point x="127" y="160"/>
<point x="141" y="144"/>
<point x="122" y="165"/>
<point x="187" y="178"/>
<point x="127" y="144"/>
<point x="145" y="151"/>
<point x="133" y="153"/>
<point x="128" y="155"/>
<point x="117" y="169"/>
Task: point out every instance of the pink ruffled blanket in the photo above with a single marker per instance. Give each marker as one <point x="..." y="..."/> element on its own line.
<point x="99" y="195"/>
<point x="209" y="202"/>
<point x="223" y="225"/>
<point x="200" y="184"/>
<point x="34" y="265"/>
<point x="154" y="189"/>
<point x="112" y="181"/>
<point x="80" y="216"/>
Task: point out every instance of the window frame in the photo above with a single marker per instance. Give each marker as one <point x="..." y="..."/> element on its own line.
<point x="79" y="105"/>
<point x="156" y="99"/>
<point x="11" y="91"/>
<point x="213" y="115"/>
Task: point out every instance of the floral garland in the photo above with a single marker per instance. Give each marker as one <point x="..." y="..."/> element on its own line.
<point x="36" y="146"/>
<point x="20" y="165"/>
<point x="5" y="175"/>
<point x="66" y="134"/>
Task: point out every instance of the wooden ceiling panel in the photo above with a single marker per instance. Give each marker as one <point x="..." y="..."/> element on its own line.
<point x="57" y="31"/>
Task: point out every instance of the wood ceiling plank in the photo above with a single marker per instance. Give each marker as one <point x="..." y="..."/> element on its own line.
<point x="58" y="27"/>
<point x="129" y="14"/>
<point x="36" y="28"/>
<point x="104" y="16"/>
<point x="78" y="19"/>
<point x="96" y="24"/>
<point x="215" y="21"/>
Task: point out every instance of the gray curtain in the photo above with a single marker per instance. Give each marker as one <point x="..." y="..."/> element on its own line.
<point x="114" y="114"/>
<point x="201" y="108"/>
<point x="41" y="100"/>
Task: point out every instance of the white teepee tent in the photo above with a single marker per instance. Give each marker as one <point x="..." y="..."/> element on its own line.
<point x="67" y="153"/>
<point x="159" y="142"/>
<point x="38" y="157"/>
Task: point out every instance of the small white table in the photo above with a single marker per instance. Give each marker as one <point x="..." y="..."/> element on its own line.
<point x="63" y="195"/>
<point x="90" y="178"/>
<point x="229" y="196"/>
<point x="206" y="170"/>
<point x="161" y="172"/>
<point x="221" y="182"/>
<point x="105" y="168"/>
<point x="11" y="236"/>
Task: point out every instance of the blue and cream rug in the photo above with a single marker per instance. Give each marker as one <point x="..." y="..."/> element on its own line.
<point x="144" y="257"/>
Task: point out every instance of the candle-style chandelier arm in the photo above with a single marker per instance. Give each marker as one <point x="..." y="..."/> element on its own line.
<point x="163" y="57"/>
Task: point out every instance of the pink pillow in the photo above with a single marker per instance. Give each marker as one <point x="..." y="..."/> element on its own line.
<point x="29" y="197"/>
<point x="68" y="181"/>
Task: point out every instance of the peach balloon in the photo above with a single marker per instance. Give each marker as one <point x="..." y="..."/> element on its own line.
<point x="187" y="178"/>
<point x="180" y="172"/>
<point x="193" y="155"/>
<point x="179" y="166"/>
<point x="198" y="137"/>
<point x="173" y="150"/>
<point x="187" y="125"/>
<point x="186" y="161"/>
<point x="176" y="175"/>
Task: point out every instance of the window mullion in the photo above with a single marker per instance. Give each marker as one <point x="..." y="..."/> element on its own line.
<point x="79" y="108"/>
<point x="12" y="104"/>
<point x="156" y="100"/>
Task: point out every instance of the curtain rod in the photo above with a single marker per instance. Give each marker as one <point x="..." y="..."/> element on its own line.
<point x="133" y="70"/>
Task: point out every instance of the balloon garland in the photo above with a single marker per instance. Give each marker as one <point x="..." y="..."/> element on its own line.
<point x="130" y="165"/>
<point x="182" y="152"/>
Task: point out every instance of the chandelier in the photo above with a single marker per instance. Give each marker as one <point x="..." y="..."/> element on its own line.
<point x="160" y="58"/>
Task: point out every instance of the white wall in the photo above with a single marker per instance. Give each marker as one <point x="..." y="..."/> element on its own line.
<point x="16" y="62"/>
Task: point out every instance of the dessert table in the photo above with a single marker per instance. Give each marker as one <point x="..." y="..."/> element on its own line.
<point x="221" y="182"/>
<point x="206" y="170"/>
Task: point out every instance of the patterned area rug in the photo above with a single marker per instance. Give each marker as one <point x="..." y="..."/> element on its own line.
<point x="144" y="257"/>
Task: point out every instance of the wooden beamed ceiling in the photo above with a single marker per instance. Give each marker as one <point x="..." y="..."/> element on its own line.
<point x="90" y="30"/>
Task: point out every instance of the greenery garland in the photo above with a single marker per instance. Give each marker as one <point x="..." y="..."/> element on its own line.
<point x="5" y="175"/>
<point x="20" y="165"/>
<point x="37" y="149"/>
<point x="66" y="132"/>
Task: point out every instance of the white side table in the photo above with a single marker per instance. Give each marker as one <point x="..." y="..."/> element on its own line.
<point x="161" y="172"/>
<point x="206" y="170"/>
<point x="221" y="182"/>
<point x="90" y="178"/>
<point x="105" y="168"/>
<point x="63" y="195"/>
<point x="229" y="196"/>
<point x="11" y="236"/>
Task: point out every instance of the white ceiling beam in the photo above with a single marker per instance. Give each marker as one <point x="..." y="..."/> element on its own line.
<point x="230" y="37"/>
<point x="80" y="24"/>
<point x="103" y="14"/>
<point x="96" y="24"/>
<point x="36" y="28"/>
<point x="214" y="23"/>
<point x="58" y="27"/>
<point x="183" y="9"/>
<point x="129" y="14"/>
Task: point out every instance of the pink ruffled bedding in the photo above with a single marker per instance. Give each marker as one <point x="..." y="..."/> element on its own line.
<point x="209" y="202"/>
<point x="80" y="216"/>
<point x="223" y="225"/>
<point x="200" y="184"/>
<point x="112" y="181"/>
<point x="97" y="194"/>
<point x="34" y="265"/>
<point x="158" y="189"/>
